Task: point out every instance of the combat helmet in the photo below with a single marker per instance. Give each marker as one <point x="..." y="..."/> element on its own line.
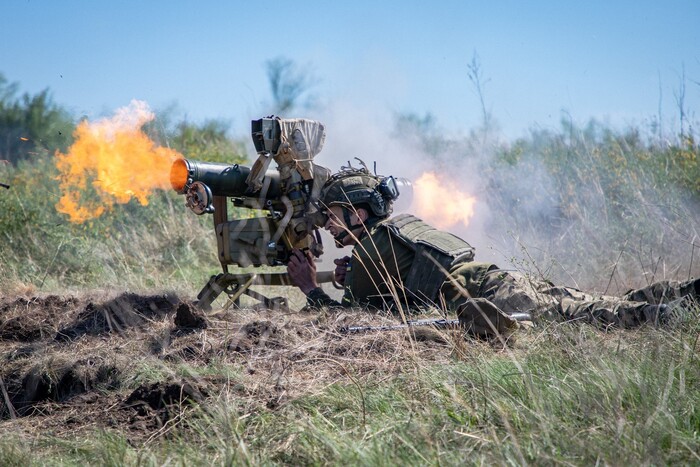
<point x="358" y="187"/>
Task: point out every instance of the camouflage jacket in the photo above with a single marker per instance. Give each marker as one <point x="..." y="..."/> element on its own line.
<point x="400" y="260"/>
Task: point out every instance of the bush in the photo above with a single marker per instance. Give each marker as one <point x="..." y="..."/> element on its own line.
<point x="31" y="125"/>
<point x="161" y="244"/>
<point x="596" y="204"/>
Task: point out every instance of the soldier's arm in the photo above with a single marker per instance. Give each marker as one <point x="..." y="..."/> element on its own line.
<point x="317" y="298"/>
<point x="301" y="270"/>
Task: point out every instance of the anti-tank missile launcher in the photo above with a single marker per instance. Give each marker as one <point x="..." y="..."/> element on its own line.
<point x="285" y="203"/>
<point x="285" y="211"/>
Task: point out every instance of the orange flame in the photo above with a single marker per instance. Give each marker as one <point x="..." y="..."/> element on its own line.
<point x="114" y="159"/>
<point x="178" y="175"/>
<point x="441" y="203"/>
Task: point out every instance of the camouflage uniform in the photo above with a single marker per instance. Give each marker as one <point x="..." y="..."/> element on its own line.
<point x="515" y="292"/>
<point x="388" y="257"/>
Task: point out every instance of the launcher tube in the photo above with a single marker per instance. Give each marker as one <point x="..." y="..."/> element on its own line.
<point x="222" y="179"/>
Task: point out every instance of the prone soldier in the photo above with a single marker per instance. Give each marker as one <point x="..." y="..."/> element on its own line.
<point x="401" y="263"/>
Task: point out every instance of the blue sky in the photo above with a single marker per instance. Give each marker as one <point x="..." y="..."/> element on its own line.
<point x="617" y="61"/>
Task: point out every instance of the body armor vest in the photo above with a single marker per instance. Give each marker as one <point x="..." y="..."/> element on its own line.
<point x="436" y="252"/>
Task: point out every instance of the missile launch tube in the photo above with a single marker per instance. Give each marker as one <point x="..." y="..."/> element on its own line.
<point x="222" y="179"/>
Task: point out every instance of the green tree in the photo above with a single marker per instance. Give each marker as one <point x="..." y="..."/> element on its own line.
<point x="31" y="124"/>
<point x="288" y="84"/>
<point x="208" y="142"/>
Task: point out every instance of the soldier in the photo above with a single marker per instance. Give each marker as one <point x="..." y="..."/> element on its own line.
<point x="402" y="262"/>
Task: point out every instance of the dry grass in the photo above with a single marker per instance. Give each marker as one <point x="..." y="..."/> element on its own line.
<point x="271" y="386"/>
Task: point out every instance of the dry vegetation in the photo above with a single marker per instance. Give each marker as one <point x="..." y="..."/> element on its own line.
<point x="98" y="366"/>
<point x="137" y="365"/>
<point x="114" y="379"/>
<point x="58" y="349"/>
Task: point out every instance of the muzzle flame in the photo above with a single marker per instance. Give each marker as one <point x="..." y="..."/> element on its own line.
<point x="112" y="161"/>
<point x="178" y="175"/>
<point x="440" y="201"/>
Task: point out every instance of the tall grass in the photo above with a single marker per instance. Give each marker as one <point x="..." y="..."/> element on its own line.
<point x="607" y="210"/>
<point x="598" y="208"/>
<point x="161" y="245"/>
<point x="564" y="395"/>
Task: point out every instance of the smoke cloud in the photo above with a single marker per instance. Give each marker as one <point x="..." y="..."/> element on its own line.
<point x="565" y="229"/>
<point x="355" y="132"/>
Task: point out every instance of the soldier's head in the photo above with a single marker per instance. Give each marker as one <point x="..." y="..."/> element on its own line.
<point x="353" y="199"/>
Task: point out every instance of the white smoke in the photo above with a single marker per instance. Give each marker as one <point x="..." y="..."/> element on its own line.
<point x="126" y="119"/>
<point x="371" y="135"/>
<point x="519" y="222"/>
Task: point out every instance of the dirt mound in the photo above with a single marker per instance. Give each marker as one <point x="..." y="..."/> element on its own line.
<point x="124" y="311"/>
<point x="151" y="406"/>
<point x="29" y="319"/>
<point x="187" y="316"/>
<point x="70" y="363"/>
<point x="59" y="382"/>
<point x="38" y="364"/>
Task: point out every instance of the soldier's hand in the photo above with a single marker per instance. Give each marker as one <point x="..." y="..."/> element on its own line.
<point x="302" y="270"/>
<point x="341" y="269"/>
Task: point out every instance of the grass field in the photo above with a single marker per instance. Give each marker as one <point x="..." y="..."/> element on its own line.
<point x="98" y="369"/>
<point x="267" y="387"/>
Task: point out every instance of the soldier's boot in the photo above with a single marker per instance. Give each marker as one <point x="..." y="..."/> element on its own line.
<point x="690" y="290"/>
<point x="665" y="292"/>
<point x="681" y="307"/>
<point x="656" y="314"/>
<point x="666" y="313"/>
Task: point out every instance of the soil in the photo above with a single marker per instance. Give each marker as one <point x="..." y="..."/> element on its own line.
<point x="76" y="363"/>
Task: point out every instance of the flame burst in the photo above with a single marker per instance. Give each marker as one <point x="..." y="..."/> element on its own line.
<point x="112" y="161"/>
<point x="441" y="202"/>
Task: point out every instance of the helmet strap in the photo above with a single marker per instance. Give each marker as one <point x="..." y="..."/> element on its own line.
<point x="349" y="227"/>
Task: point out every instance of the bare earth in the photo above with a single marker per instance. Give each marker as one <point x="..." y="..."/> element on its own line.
<point x="135" y="363"/>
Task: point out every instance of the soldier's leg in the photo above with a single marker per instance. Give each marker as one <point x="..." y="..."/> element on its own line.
<point x="665" y="291"/>
<point x="462" y="293"/>
<point x="511" y="292"/>
<point x="615" y="312"/>
<point x="486" y="280"/>
<point x="514" y="292"/>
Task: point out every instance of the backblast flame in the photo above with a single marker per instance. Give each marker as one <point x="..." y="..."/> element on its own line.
<point x="441" y="202"/>
<point x="112" y="161"/>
